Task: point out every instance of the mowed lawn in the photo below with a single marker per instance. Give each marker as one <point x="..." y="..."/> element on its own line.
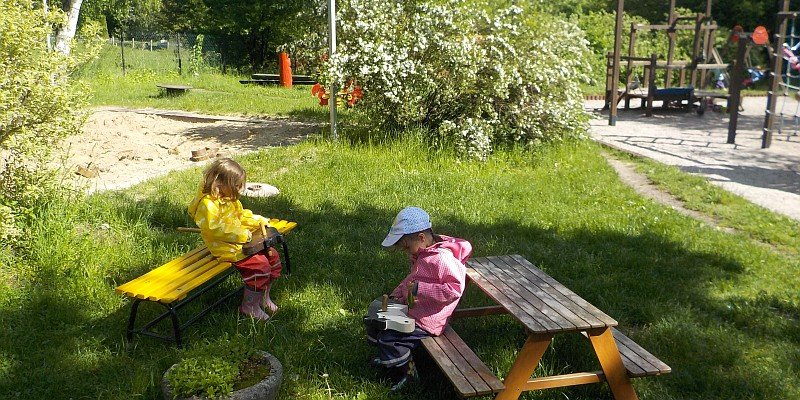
<point x="721" y="309"/>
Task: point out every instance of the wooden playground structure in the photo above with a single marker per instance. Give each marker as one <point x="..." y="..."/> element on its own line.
<point x="689" y="89"/>
<point x="780" y="83"/>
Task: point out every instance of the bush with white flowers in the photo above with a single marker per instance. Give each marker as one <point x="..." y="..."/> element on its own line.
<point x="474" y="78"/>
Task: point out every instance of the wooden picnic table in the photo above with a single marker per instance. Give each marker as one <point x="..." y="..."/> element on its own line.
<point x="545" y="308"/>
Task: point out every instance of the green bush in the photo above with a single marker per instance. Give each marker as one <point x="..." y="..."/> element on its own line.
<point x="39" y="105"/>
<point x="210" y="376"/>
<point x="214" y="368"/>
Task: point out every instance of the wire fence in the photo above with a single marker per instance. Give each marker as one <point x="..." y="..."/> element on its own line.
<point x="160" y="53"/>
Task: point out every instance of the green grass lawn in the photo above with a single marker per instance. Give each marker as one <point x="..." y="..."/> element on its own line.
<point x="723" y="310"/>
<point x="212" y="93"/>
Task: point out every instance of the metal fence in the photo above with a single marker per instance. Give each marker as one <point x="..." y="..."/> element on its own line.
<point x="161" y="53"/>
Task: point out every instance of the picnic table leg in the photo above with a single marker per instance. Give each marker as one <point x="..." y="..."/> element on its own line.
<point x="524" y="365"/>
<point x="610" y="360"/>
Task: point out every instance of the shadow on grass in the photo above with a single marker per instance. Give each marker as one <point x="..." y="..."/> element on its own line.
<point x="339" y="267"/>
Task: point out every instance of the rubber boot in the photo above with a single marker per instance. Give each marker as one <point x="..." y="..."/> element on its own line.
<point x="251" y="305"/>
<point x="266" y="302"/>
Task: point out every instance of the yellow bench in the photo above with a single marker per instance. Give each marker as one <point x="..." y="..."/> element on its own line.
<point x="171" y="284"/>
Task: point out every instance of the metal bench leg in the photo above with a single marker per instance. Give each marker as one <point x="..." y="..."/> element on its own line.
<point x="176" y="326"/>
<point x="285" y="247"/>
<point x="132" y="319"/>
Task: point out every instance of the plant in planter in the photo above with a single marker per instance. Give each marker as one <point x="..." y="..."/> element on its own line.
<point x="224" y="370"/>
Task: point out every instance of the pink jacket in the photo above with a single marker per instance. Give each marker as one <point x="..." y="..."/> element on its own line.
<point x="440" y="273"/>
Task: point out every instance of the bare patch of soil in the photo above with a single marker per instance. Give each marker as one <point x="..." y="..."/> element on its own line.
<point x="123" y="147"/>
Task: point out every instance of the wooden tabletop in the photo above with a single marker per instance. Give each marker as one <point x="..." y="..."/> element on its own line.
<point x="539" y="302"/>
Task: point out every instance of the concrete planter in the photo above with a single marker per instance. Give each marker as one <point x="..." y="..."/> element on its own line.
<point x="264" y="390"/>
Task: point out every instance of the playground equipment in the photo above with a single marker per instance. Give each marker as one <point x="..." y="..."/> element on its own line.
<point x="780" y="84"/>
<point x="704" y="59"/>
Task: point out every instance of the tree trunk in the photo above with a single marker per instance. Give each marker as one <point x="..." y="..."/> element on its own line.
<point x="67" y="32"/>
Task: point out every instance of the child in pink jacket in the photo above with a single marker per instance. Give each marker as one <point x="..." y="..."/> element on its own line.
<point x="437" y="281"/>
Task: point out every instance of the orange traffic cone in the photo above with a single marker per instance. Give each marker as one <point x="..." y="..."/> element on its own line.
<point x="285" y="70"/>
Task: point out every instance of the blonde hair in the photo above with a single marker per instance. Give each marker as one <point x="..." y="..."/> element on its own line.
<point x="224" y="178"/>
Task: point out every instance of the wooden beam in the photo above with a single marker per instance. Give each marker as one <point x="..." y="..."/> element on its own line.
<point x="580" y="378"/>
<point x="479" y="311"/>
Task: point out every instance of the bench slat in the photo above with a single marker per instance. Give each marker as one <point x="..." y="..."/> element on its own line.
<point x="648" y="363"/>
<point x="452" y="372"/>
<point x="539" y="289"/>
<point x="584" y="317"/>
<point x="136" y="285"/>
<point x="533" y="318"/>
<point x="189" y="278"/>
<point x="155" y="289"/>
<point x="563" y="289"/>
<point x="176" y="278"/>
<point x="494" y="384"/>
<point x="456" y="350"/>
<point x="469" y="375"/>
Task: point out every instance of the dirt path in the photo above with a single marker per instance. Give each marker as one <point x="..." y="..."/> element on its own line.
<point x="125" y="146"/>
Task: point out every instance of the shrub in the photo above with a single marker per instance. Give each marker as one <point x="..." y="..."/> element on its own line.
<point x="39" y="105"/>
<point x="478" y="79"/>
<point x="216" y="369"/>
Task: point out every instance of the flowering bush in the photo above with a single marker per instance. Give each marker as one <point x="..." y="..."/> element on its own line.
<point x="473" y="78"/>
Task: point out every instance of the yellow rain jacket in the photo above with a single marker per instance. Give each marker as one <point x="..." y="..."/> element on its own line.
<point x="224" y="224"/>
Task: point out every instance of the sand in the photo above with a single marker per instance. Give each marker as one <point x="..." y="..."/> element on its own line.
<point x="123" y="147"/>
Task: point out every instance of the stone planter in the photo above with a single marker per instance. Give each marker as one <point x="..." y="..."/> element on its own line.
<point x="264" y="390"/>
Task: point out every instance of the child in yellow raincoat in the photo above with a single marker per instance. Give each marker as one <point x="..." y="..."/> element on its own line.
<point x="225" y="226"/>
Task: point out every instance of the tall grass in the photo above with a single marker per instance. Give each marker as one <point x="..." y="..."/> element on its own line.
<point x="723" y="310"/>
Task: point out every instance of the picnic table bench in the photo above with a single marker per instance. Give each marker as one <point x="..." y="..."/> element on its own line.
<point x="545" y="308"/>
<point x="171" y="284"/>
<point x="173" y="90"/>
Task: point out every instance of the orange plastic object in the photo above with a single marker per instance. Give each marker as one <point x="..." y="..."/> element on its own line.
<point x="760" y="35"/>
<point x="285" y="70"/>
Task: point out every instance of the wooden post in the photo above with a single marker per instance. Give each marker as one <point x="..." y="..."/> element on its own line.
<point x="122" y="49"/>
<point x="671" y="33"/>
<point x="612" y="115"/>
<point x="698" y="24"/>
<point x="775" y="77"/>
<point x="735" y="92"/>
<point x="651" y="85"/>
<point x="631" y="51"/>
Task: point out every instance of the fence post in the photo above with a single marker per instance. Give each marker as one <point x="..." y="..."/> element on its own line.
<point x="178" y="52"/>
<point x="122" y="50"/>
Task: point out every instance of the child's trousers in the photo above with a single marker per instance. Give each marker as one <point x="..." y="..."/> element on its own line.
<point x="259" y="270"/>
<point x="394" y="348"/>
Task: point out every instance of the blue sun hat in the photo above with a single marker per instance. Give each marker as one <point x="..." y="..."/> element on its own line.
<point x="408" y="220"/>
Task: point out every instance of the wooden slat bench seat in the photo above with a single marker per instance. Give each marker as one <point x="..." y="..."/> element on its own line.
<point x="469" y="375"/>
<point x="171" y="284"/>
<point x="638" y="361"/>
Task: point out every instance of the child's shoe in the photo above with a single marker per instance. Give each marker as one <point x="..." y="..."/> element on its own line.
<point x="251" y="305"/>
<point x="408" y="379"/>
<point x="376" y="363"/>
